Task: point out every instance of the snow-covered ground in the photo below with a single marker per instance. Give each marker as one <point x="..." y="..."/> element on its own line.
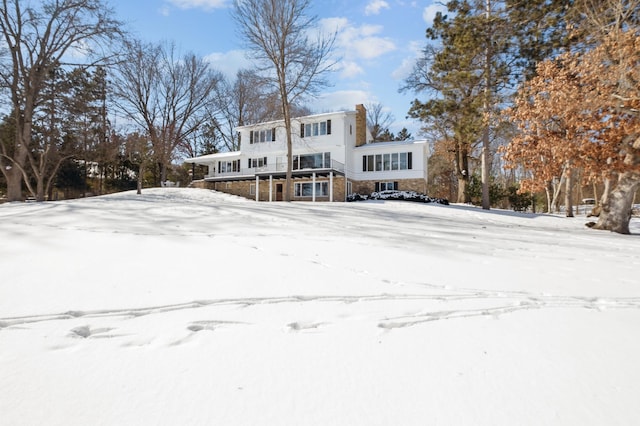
<point x="190" y="307"/>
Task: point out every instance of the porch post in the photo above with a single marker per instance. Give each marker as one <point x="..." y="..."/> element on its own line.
<point x="270" y="188"/>
<point x="331" y="186"/>
<point x="313" y="187"/>
<point x="257" y="188"/>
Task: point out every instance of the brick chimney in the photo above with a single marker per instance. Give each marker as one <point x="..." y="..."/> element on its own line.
<point x="361" y="125"/>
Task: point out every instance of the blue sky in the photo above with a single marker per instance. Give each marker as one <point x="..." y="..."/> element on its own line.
<point x="377" y="40"/>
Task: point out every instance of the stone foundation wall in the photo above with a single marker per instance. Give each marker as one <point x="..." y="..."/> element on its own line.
<point x="366" y="187"/>
<point x="244" y="188"/>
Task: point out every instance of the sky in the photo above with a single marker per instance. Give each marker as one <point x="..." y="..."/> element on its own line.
<point x="190" y="307"/>
<point x="377" y="43"/>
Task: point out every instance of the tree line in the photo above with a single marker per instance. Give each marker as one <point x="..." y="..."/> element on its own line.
<point x="543" y="93"/>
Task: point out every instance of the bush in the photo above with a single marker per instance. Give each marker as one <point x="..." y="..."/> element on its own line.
<point x="520" y="202"/>
<point x="398" y="195"/>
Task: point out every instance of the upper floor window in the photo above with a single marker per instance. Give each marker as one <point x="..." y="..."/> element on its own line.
<point x="321" y="160"/>
<point x="315" y="129"/>
<point x="384" y="162"/>
<point x="258" y="136"/>
<point x="257" y="162"/>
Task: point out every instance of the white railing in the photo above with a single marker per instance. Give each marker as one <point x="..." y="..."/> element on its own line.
<point x="274" y="168"/>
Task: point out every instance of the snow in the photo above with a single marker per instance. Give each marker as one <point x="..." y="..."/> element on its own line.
<point x="187" y="306"/>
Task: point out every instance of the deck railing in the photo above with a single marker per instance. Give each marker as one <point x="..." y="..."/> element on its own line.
<point x="275" y="168"/>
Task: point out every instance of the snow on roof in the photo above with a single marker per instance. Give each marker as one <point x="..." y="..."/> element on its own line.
<point x="213" y="157"/>
<point x="373" y="145"/>
<point x="303" y="118"/>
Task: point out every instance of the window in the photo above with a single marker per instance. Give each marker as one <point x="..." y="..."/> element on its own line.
<point x="315" y="129"/>
<point x="383" y="162"/>
<point x="320" y="160"/>
<point x="228" y="166"/>
<point x="305" y="189"/>
<point x="257" y="162"/>
<point x="252" y="189"/>
<point x="259" y="136"/>
<point x="386" y="186"/>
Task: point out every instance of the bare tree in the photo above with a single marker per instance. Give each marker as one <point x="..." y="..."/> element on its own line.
<point x="243" y="101"/>
<point x="165" y="95"/>
<point x="38" y="36"/>
<point x="378" y="121"/>
<point x="277" y="33"/>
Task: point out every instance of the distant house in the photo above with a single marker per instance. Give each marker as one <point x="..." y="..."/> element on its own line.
<point x="333" y="156"/>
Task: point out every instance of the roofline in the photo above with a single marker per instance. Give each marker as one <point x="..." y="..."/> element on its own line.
<point x="373" y="145"/>
<point x="213" y="157"/>
<point x="302" y="118"/>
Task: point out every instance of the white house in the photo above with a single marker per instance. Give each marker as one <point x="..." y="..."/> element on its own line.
<point x="333" y="156"/>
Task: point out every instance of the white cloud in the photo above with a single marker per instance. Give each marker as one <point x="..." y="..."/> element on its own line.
<point x="342" y="100"/>
<point x="406" y="66"/>
<point x="429" y="12"/>
<point x="228" y="62"/>
<point x="372" y="47"/>
<point x="374" y="7"/>
<point x="202" y="4"/>
<point x="355" y="43"/>
<point x="349" y="69"/>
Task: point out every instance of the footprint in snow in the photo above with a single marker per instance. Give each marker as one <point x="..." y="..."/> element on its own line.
<point x="303" y="326"/>
<point x="85" y="332"/>
<point x="208" y="325"/>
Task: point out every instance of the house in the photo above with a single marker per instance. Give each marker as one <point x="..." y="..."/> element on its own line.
<point x="333" y="156"/>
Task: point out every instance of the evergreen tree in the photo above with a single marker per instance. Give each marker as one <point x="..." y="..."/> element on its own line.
<point x="450" y="70"/>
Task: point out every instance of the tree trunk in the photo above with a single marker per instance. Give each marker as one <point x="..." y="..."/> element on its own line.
<point x="549" y="191"/>
<point x="486" y="201"/>
<point x="40" y="188"/>
<point x="14" y="184"/>
<point x="14" y="176"/>
<point x="557" y="189"/>
<point x="286" y="112"/>
<point x="568" y="192"/>
<point x="462" y="173"/>
<point x="606" y="192"/>
<point x="463" y="194"/>
<point x="617" y="204"/>
<point x="616" y="209"/>
<point x="140" y="176"/>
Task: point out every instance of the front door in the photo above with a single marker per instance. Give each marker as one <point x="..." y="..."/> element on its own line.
<point x="278" y="192"/>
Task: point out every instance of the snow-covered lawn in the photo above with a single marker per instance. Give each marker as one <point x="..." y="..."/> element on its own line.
<point x="190" y="307"/>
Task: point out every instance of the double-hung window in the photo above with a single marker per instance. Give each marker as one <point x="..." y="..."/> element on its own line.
<point x="319" y="128"/>
<point x="260" y="136"/>
<point x="257" y="162"/>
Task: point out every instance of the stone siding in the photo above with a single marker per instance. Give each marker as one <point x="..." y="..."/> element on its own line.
<point x="243" y="188"/>
<point x="365" y="187"/>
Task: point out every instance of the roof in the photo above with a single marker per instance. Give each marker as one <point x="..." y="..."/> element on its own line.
<point x="213" y="157"/>
<point x="303" y="118"/>
<point x="374" y="145"/>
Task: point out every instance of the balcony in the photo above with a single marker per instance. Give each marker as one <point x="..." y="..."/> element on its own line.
<point x="276" y="170"/>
